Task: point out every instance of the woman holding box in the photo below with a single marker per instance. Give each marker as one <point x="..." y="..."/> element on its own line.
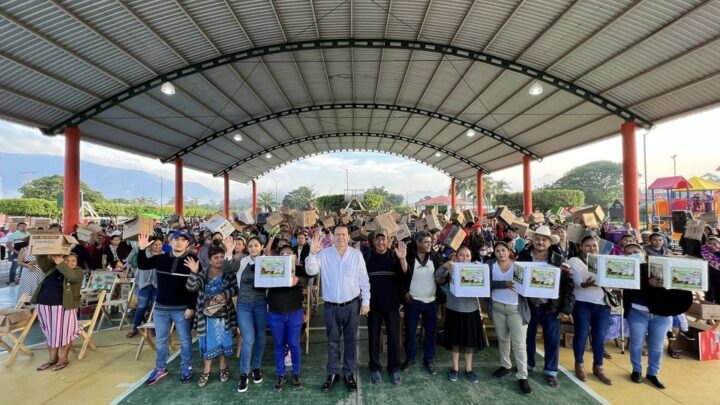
<point x="510" y="314"/>
<point x="215" y="317"/>
<point x="251" y="310"/>
<point x="591" y="314"/>
<point x="463" y="325"/>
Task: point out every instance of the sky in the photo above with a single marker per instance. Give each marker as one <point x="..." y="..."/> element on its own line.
<point x="693" y="138"/>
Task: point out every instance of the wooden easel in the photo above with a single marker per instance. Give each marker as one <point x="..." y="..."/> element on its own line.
<point x="16" y="343"/>
<point x="88" y="327"/>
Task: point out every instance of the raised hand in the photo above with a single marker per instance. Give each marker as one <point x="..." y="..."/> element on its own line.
<point x="192" y="264"/>
<point x="143" y="241"/>
<point x="57" y="259"/>
<point x="229" y="244"/>
<point x="401" y="250"/>
<point x="316" y="244"/>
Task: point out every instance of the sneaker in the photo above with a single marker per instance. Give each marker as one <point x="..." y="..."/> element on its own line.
<point x="257" y="376"/>
<point x="430" y="367"/>
<point x="395" y="377"/>
<point x="453" y="375"/>
<point x="406" y="365"/>
<point x="186" y="375"/>
<point x="524" y="386"/>
<point x="156" y="375"/>
<point x="280" y="383"/>
<point x="501" y="372"/>
<point x="297" y="384"/>
<point x="472" y="377"/>
<point x="243" y="384"/>
<point x="375" y="377"/>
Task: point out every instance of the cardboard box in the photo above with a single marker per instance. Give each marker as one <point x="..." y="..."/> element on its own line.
<point x="346" y="219"/>
<point x="88" y="233"/>
<point x="275" y="218"/>
<point x="370" y="226"/>
<point x="710" y="218"/>
<point x="387" y="221"/>
<point x="175" y="222"/>
<point x="43" y="223"/>
<point x="307" y="218"/>
<point x="433" y="223"/>
<point x="245" y="217"/>
<point x="536" y="279"/>
<point x="359" y="235"/>
<point x="50" y="243"/>
<point x="328" y="221"/>
<point x="12" y="319"/>
<point x="430" y="212"/>
<point x="575" y="232"/>
<point x="596" y="211"/>
<point x="522" y="228"/>
<point x="589" y="220"/>
<point x="458" y="218"/>
<point x="504" y="214"/>
<point x="679" y="272"/>
<point x="470" y="280"/>
<point x="274" y="271"/>
<point x="403" y="232"/>
<point x="133" y="228"/>
<point x="535" y="218"/>
<point x="218" y="223"/>
<point x="452" y="236"/>
<point x="395" y="216"/>
<point x="704" y="310"/>
<point x="469" y="216"/>
<point x="615" y="271"/>
<point x="421" y="225"/>
<point x="694" y="229"/>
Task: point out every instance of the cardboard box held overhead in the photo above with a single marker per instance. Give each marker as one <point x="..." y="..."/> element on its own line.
<point x="452" y="236"/>
<point x="137" y="226"/>
<point x="504" y="214"/>
<point x="88" y="233"/>
<point x="306" y="219"/>
<point x="218" y="223"/>
<point x="50" y="243"/>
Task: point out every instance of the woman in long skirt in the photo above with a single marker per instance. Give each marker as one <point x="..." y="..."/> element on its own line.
<point x="57" y="299"/>
<point x="31" y="276"/>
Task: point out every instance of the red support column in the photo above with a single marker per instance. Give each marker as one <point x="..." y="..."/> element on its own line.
<point x="254" y="198"/>
<point x="630" y="178"/>
<point x="527" y="187"/>
<point x="71" y="188"/>
<point x="479" y="193"/>
<point x="226" y="206"/>
<point x="453" y="193"/>
<point x="179" y="198"/>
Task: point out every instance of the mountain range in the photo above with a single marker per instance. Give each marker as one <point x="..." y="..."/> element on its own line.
<point x="112" y="182"/>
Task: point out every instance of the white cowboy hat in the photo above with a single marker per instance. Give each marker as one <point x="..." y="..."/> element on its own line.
<point x="543" y="230"/>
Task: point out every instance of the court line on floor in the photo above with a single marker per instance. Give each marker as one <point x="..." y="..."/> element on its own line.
<point x="577" y="382"/>
<point x="141" y="381"/>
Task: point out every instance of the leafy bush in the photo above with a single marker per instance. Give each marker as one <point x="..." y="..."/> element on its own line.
<point x="36" y="207"/>
<point x="543" y="200"/>
<point x="330" y="203"/>
<point x="32" y="207"/>
<point x="373" y="201"/>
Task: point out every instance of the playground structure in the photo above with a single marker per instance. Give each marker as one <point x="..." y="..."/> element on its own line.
<point x="696" y="195"/>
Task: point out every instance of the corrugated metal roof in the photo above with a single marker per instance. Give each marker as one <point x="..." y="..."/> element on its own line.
<point x="656" y="59"/>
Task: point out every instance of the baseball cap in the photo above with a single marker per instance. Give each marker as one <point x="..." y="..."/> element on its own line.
<point x="181" y="234"/>
<point x="381" y="231"/>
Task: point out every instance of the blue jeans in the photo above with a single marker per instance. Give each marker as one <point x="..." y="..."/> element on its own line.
<point x="285" y="330"/>
<point x="413" y="311"/>
<point x="162" y="321"/>
<point x="13" y="266"/>
<point x="342" y="322"/>
<point x="252" y="320"/>
<point x="551" y="336"/>
<point x="644" y="324"/>
<point x="145" y="298"/>
<point x="592" y="319"/>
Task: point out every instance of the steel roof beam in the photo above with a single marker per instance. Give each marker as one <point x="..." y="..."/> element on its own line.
<point x="371" y="106"/>
<point x="382" y="135"/>
<point x="469" y="54"/>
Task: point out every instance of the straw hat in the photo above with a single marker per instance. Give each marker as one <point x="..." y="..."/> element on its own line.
<point x="543" y="230"/>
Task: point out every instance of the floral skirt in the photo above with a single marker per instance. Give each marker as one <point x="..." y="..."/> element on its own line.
<point x="216" y="341"/>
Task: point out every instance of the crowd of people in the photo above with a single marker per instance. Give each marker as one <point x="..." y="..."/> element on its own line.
<point x="198" y="280"/>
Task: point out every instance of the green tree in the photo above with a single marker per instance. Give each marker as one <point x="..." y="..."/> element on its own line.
<point x="48" y="187"/>
<point x="543" y="200"/>
<point x="390" y="200"/>
<point x="601" y="182"/>
<point x="300" y="198"/>
<point x="467" y="189"/>
<point x="373" y="201"/>
<point x="266" y="199"/>
<point x="711" y="177"/>
<point x="330" y="203"/>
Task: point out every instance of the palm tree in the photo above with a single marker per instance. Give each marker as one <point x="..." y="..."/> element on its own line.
<point x="266" y="199"/>
<point x="468" y="189"/>
<point x="302" y="197"/>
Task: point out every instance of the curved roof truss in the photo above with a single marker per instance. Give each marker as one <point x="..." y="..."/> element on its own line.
<point x="482" y="57"/>
<point x="360" y="134"/>
<point x="339" y="106"/>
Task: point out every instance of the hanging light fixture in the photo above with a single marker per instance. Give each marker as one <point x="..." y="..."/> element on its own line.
<point x="535" y="89"/>
<point x="237" y="137"/>
<point x="438" y="154"/>
<point x="470" y="133"/>
<point x="268" y="156"/>
<point x="168" y="88"/>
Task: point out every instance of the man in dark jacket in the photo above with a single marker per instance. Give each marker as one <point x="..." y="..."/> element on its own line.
<point x="173" y="302"/>
<point x="386" y="270"/>
<point x="420" y="299"/>
<point x="548" y="312"/>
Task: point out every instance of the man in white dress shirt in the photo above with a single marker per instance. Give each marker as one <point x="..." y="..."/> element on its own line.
<point x="346" y="292"/>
